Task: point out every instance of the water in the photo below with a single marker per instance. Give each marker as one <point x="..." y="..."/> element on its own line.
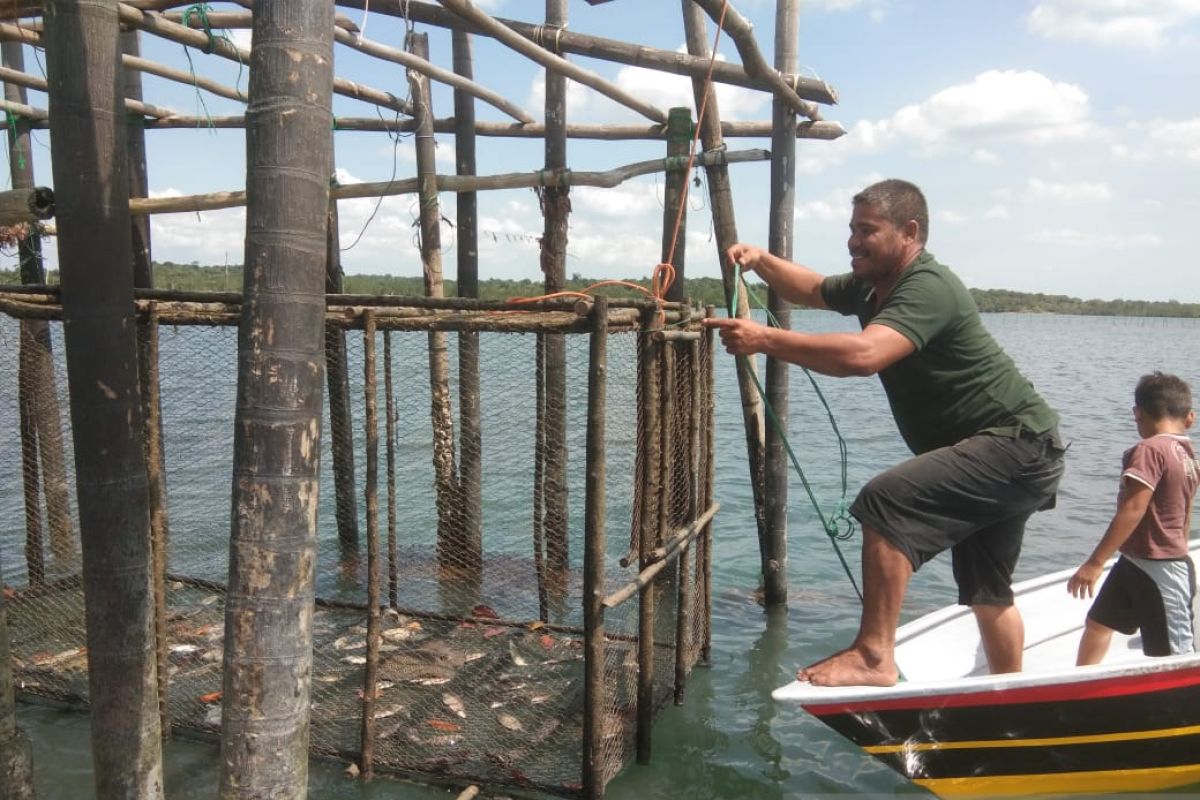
<point x="729" y="740"/>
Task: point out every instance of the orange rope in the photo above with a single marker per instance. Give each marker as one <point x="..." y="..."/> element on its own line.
<point x="663" y="276"/>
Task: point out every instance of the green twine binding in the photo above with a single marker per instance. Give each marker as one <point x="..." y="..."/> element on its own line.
<point x="12" y="126"/>
<point x="840" y="525"/>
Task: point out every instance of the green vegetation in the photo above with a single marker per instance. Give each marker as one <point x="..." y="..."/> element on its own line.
<point x="704" y="291"/>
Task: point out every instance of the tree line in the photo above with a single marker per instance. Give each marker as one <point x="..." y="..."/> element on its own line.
<point x="701" y="291"/>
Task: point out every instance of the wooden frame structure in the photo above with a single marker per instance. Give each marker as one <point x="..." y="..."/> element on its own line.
<point x="85" y="115"/>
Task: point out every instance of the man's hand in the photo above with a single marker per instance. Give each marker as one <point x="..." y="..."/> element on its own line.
<point x="747" y="255"/>
<point x="1083" y="583"/>
<point x="741" y="337"/>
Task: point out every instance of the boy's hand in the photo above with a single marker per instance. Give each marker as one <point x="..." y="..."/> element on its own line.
<point x="1083" y="583"/>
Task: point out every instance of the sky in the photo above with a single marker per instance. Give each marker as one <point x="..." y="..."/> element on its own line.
<point x="1058" y="143"/>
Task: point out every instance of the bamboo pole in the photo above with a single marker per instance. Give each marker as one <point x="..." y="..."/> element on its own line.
<point x="277" y="441"/>
<point x="594" y="702"/>
<point x="390" y="410"/>
<point x="600" y="48"/>
<point x="160" y="26"/>
<point x="652" y="498"/>
<point x="452" y="548"/>
<point x="16" y="764"/>
<point x="556" y="211"/>
<point x="782" y="210"/>
<point x="467" y="252"/>
<point x="82" y="56"/>
<point x="371" y="672"/>
<point x="675" y="195"/>
<point x="720" y="194"/>
<point x="553" y="63"/>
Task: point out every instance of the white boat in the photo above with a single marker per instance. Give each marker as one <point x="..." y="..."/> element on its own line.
<point x="1131" y="723"/>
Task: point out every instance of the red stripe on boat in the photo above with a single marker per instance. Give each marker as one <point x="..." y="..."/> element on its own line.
<point x="1133" y="684"/>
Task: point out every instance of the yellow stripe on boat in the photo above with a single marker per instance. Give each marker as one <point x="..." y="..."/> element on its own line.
<point x="1100" y="781"/>
<point x="1095" y="738"/>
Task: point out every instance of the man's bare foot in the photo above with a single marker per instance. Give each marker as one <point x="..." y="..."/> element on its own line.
<point x="851" y="667"/>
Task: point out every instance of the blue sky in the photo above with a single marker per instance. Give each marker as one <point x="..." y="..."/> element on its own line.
<point x="1058" y="142"/>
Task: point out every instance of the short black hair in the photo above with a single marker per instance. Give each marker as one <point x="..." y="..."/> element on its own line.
<point x="1160" y="395"/>
<point x="898" y="201"/>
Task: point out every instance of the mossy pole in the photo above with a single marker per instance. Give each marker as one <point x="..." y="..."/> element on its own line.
<point x="143" y="278"/>
<point x="470" y="435"/>
<point x="556" y="210"/>
<point x="16" y="763"/>
<point x="675" y="194"/>
<point x="277" y="434"/>
<point x="779" y="242"/>
<point x="37" y="360"/>
<point x="720" y="199"/>
<point x="88" y="154"/>
<point x="341" y="425"/>
<point x="451" y="545"/>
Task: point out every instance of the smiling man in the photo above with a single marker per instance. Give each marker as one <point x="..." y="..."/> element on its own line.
<point x="985" y="444"/>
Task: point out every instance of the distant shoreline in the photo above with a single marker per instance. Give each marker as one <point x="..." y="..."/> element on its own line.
<point x="704" y="291"/>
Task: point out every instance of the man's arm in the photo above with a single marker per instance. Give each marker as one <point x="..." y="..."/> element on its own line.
<point x="793" y="282"/>
<point x="1135" y="499"/>
<point x="839" y="354"/>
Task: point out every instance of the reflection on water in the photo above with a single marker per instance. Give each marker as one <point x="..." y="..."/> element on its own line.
<point x="728" y="739"/>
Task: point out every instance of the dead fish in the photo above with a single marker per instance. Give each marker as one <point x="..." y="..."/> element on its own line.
<point x="355" y="660"/>
<point x="455" y="704"/>
<point x="208" y="601"/>
<point x="510" y="722"/>
<point x="538" y="699"/>
<point x="213" y="716"/>
<point x="496" y="704"/>
<point x="517" y="658"/>
<point x="349" y="642"/>
<point x="430" y="681"/>
<point x="328" y="678"/>
<point x="473" y="657"/>
<point x="60" y="659"/>
<point x="184" y="649"/>
<point x="389" y="711"/>
<point x="402" y="634"/>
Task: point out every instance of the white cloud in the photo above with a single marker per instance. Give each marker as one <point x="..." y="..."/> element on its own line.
<point x="1068" y="237"/>
<point x="1144" y="24"/>
<point x="1161" y="138"/>
<point x="998" y="211"/>
<point x="1083" y="191"/>
<point x="950" y="217"/>
<point x="633" y="201"/>
<point x="985" y="156"/>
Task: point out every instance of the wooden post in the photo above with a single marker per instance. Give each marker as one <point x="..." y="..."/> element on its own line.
<point x="675" y="195"/>
<point x="277" y="435"/>
<point x="451" y="548"/>
<point x="390" y="410"/>
<point x="707" y="484"/>
<point x="341" y="424"/>
<point x="720" y="198"/>
<point x="595" y="702"/>
<point x="143" y="278"/>
<point x="371" y="671"/>
<point x="88" y="154"/>
<point x="783" y="205"/>
<point x="16" y="766"/>
<point x="556" y="209"/>
<point x="652" y="499"/>
<point x="42" y="431"/>
<point x="471" y="438"/>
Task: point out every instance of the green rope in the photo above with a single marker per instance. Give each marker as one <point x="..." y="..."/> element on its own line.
<point x="12" y="127"/>
<point x="200" y="12"/>
<point x="840" y="525"/>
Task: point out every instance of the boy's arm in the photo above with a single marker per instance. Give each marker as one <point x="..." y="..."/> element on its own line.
<point x="1135" y="499"/>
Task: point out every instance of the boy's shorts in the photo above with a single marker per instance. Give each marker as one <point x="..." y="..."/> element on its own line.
<point x="972" y="497"/>
<point x="1152" y="595"/>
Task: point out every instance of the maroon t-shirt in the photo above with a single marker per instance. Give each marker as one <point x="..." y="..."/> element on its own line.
<point x="1167" y="464"/>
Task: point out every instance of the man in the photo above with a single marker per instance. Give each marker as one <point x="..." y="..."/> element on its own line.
<point x="987" y="453"/>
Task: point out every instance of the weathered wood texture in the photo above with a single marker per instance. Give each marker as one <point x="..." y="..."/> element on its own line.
<point x="277" y="436"/>
<point x="16" y="764"/>
<point x="95" y="258"/>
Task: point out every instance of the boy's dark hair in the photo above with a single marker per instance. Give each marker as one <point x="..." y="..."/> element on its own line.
<point x="898" y="201"/>
<point x="1160" y="394"/>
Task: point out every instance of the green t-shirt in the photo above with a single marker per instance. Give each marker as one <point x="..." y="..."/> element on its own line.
<point x="958" y="382"/>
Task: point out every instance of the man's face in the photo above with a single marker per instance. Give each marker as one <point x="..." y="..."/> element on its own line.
<point x="878" y="249"/>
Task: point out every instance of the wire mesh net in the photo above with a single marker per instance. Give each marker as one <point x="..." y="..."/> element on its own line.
<point x="481" y="458"/>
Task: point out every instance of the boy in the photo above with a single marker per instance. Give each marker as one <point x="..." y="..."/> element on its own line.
<point x="1152" y="584"/>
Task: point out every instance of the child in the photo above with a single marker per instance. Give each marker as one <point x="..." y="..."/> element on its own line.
<point x="1153" y="582"/>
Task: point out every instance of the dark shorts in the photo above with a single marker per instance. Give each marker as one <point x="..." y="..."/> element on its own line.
<point x="1130" y="600"/>
<point x="973" y="498"/>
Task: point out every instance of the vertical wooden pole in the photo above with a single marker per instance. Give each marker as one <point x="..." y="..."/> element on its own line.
<point x="36" y="359"/>
<point x="16" y="766"/>
<point x="539" y="472"/>
<point x="277" y="433"/>
<point x="390" y="410"/>
<point x="707" y="484"/>
<point x="652" y="499"/>
<point x="595" y="701"/>
<point x="471" y="439"/>
<point x="675" y="195"/>
<point x="143" y="278"/>
<point x="341" y="416"/>
<point x="556" y="210"/>
<point x="371" y="672"/>
<point x="783" y="206"/>
<point x="35" y="555"/>
<point x="720" y="198"/>
<point x="88" y="154"/>
<point x="451" y="546"/>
